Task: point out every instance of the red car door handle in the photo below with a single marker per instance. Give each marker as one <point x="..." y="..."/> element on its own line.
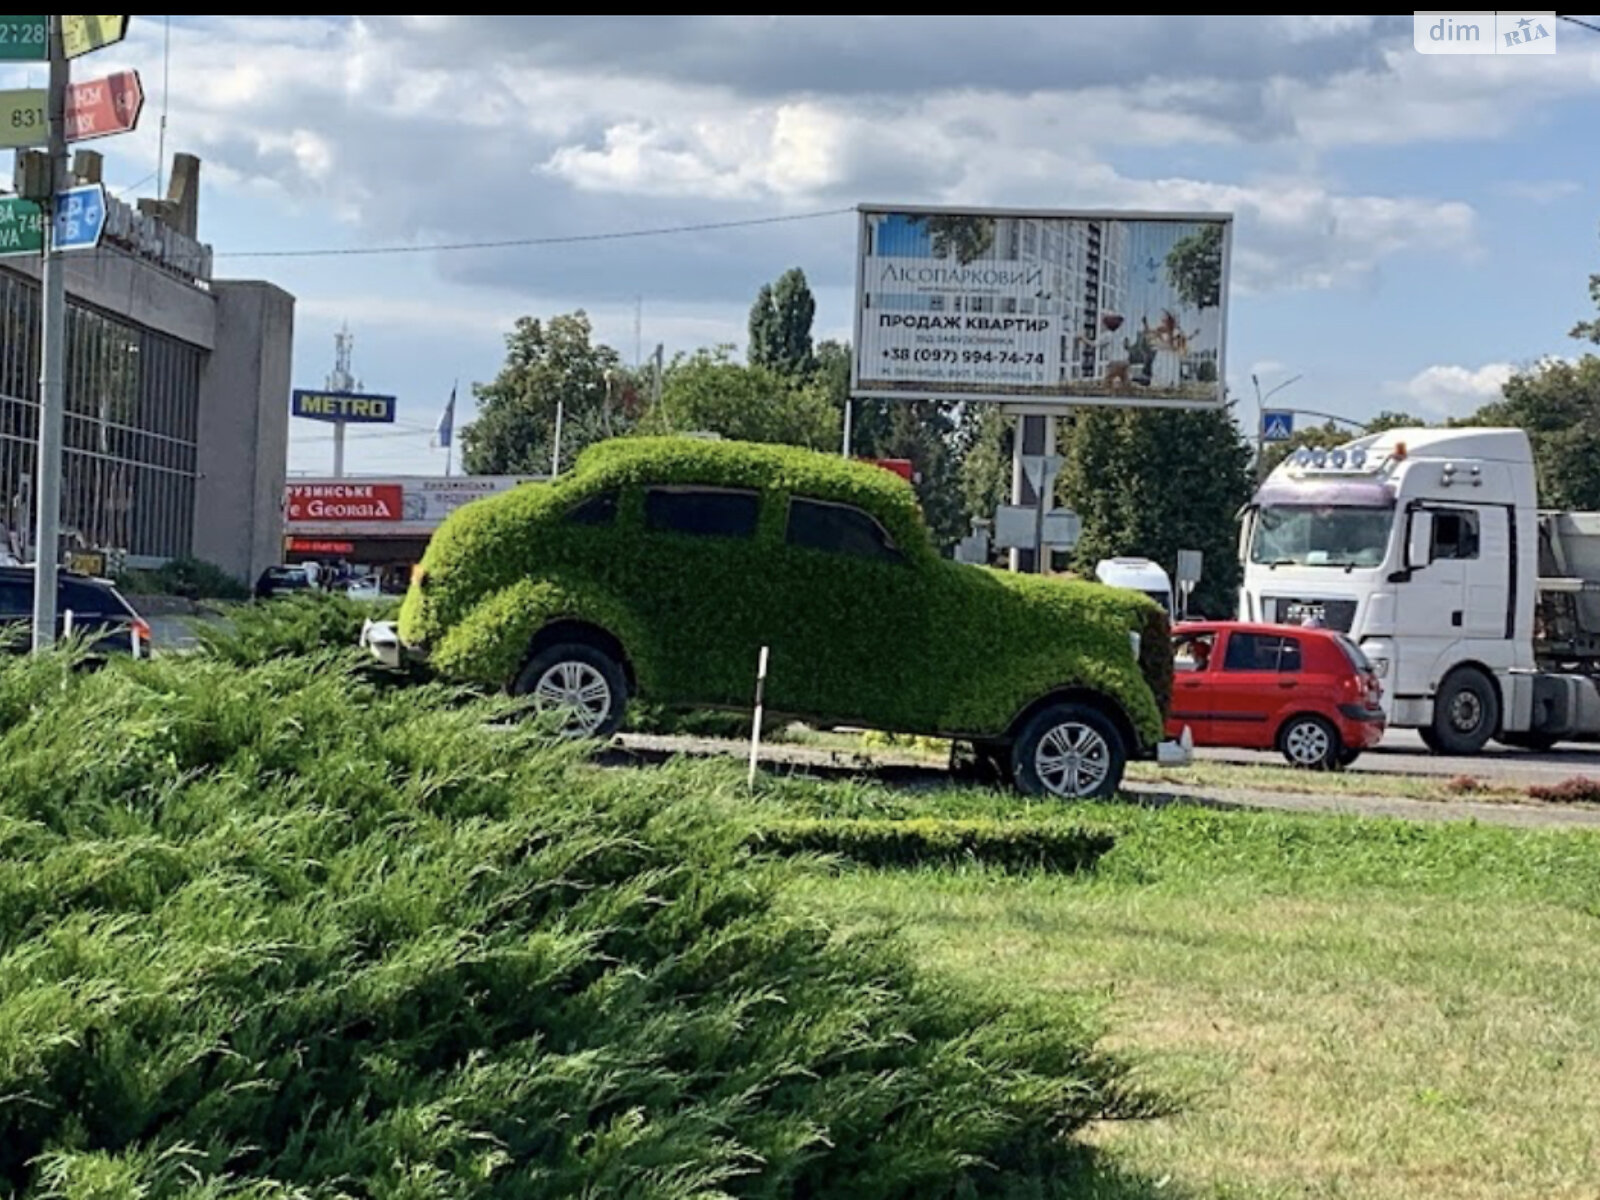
<point x="1286" y="683"/>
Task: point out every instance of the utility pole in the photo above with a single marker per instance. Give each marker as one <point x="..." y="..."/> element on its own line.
<point x="1261" y="417"/>
<point x="52" y="357"/>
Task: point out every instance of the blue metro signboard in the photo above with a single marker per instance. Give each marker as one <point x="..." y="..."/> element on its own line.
<point x="355" y="408"/>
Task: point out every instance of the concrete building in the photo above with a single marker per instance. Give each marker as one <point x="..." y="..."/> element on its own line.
<point x="177" y="420"/>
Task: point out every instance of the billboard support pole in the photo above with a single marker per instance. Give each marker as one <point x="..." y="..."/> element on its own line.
<point x="849" y="416"/>
<point x="338" y="449"/>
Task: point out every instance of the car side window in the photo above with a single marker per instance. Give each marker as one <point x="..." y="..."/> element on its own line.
<point x="1193" y="652"/>
<point x="839" y="529"/>
<point x="596" y="510"/>
<point x="85" y="601"/>
<point x="703" y="512"/>
<point x="16" y="598"/>
<point x="1455" y="534"/>
<point x="1262" y="652"/>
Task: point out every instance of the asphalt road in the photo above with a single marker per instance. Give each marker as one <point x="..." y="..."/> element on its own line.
<point x="1402" y="753"/>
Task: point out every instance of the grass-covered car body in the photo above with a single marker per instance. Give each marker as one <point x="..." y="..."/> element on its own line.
<point x="680" y="558"/>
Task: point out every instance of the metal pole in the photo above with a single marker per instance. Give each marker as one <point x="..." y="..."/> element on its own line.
<point x="52" y="355"/>
<point x="849" y="415"/>
<point x="338" y="449"/>
<point x="555" y="453"/>
<point x="1261" y="433"/>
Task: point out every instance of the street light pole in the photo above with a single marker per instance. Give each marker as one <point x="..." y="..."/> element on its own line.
<point x="1261" y="417"/>
<point x="52" y="358"/>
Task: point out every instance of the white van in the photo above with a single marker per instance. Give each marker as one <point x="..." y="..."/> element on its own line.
<point x="1141" y="575"/>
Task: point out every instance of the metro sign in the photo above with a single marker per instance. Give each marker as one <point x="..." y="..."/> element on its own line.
<point x="345" y="502"/>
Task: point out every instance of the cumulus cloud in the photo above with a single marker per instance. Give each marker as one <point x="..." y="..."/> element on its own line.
<point x="1454" y="391"/>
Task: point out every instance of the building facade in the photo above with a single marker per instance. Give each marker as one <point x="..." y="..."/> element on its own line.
<point x="177" y="384"/>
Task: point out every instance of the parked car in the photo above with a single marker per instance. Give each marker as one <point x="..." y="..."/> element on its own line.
<point x="659" y="567"/>
<point x="282" y="581"/>
<point x="1309" y="694"/>
<point x="367" y="588"/>
<point x="84" y="605"/>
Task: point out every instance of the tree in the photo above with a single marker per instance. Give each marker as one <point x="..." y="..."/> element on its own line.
<point x="1558" y="403"/>
<point x="1589" y="331"/>
<point x="1308" y="437"/>
<point x="546" y="364"/>
<point x="780" y="325"/>
<point x="708" y="391"/>
<point x="966" y="238"/>
<point x="1194" y="267"/>
<point x="1153" y="483"/>
<point x="985" y="442"/>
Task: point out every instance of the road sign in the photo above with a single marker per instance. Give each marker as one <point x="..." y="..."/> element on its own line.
<point x="22" y="121"/>
<point x="84" y="35"/>
<point x="80" y="218"/>
<point x="1277" y="425"/>
<point x="1042" y="470"/>
<point x="21" y="227"/>
<point x="24" y="39"/>
<point x="1189" y="567"/>
<point x="96" y="108"/>
<point x="1017" y="527"/>
<point x="99" y="108"/>
<point x="355" y="407"/>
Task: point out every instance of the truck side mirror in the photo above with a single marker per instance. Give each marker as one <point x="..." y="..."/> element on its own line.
<point x="1419" y="540"/>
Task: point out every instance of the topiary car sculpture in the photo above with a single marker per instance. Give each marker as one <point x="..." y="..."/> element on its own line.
<point x="658" y="567"/>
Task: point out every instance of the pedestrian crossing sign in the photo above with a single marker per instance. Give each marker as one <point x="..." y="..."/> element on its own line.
<point x="1277" y="426"/>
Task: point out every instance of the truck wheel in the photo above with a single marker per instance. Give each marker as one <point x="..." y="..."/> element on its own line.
<point x="1069" y="752"/>
<point x="1310" y="743"/>
<point x="1466" y="713"/>
<point x="580" y="680"/>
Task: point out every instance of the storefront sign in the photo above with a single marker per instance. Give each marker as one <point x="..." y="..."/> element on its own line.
<point x="313" y="546"/>
<point x="345" y="502"/>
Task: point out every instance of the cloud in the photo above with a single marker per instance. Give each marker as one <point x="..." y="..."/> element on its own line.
<point x="1545" y="191"/>
<point x="1453" y="391"/>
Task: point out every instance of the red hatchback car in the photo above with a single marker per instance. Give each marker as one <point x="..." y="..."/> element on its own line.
<point x="1308" y="693"/>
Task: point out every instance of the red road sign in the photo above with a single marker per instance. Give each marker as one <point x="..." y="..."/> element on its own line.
<point x="101" y="107"/>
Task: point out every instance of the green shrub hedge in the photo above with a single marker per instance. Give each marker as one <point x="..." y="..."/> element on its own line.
<point x="933" y="647"/>
<point x="270" y="932"/>
<point x="297" y="624"/>
<point x="190" y="578"/>
<point x="935" y="841"/>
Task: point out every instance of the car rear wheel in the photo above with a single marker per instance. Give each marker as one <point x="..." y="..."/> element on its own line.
<point x="1069" y="752"/>
<point x="1311" y="744"/>
<point x="585" y="684"/>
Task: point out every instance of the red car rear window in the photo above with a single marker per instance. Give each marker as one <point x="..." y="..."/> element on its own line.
<point x="1352" y="652"/>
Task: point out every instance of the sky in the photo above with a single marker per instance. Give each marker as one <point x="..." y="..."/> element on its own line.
<point x="1409" y="228"/>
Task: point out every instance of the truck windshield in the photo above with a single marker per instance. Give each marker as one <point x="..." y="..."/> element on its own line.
<point x="1321" y="536"/>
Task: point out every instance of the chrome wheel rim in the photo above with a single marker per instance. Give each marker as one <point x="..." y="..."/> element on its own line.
<point x="1308" y="744"/>
<point x="578" y="690"/>
<point x="1466" y="712"/>
<point x="1073" y="760"/>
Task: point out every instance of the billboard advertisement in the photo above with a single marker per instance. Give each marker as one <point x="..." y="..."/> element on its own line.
<point x="351" y="408"/>
<point x="1042" y="309"/>
<point x="399" y="505"/>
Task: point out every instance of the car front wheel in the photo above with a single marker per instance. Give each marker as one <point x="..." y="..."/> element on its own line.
<point x="1069" y="752"/>
<point x="583" y="683"/>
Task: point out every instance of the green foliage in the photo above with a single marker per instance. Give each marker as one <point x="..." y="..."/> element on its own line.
<point x="1194" y="267"/>
<point x="1152" y="483"/>
<point x="986" y="441"/>
<point x="190" y="578"/>
<point x="780" y="325"/>
<point x="1558" y="403"/>
<point x="1589" y="331"/>
<point x="1330" y="434"/>
<point x="709" y="392"/>
<point x="299" y="624"/>
<point x="932" y="841"/>
<point x="273" y="933"/>
<point x="547" y="363"/>
<point x="927" y="646"/>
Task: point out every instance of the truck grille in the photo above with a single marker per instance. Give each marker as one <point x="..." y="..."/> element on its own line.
<point x="1289" y="610"/>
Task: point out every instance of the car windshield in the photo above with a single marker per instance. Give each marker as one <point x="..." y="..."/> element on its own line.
<point x="1322" y="536"/>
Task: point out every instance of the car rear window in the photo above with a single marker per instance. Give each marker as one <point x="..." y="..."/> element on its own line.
<point x="1353" y="653"/>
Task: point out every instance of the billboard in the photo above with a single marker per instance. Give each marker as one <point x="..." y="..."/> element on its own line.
<point x="396" y="505"/>
<point x="1042" y="310"/>
<point x="354" y="408"/>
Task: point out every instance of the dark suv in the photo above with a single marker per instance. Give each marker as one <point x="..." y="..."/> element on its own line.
<point x="84" y="605"/>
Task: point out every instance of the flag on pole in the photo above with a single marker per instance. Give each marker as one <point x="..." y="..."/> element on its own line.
<point x="447" y="423"/>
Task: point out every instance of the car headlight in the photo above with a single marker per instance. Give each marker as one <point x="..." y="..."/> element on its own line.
<point x="1134" y="641"/>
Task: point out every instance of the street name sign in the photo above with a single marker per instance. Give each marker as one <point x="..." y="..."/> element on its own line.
<point x="84" y="35"/>
<point x="24" y="39"/>
<point x="80" y="218"/>
<point x="96" y="108"/>
<point x="21" y="227"/>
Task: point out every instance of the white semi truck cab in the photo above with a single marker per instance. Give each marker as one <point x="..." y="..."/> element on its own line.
<point x="1480" y="612"/>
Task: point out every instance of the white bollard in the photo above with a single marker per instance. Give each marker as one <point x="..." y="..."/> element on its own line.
<point x="755" y="727"/>
<point x="66" y="623"/>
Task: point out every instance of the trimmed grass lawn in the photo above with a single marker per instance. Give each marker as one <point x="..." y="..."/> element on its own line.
<point x="1346" y="1007"/>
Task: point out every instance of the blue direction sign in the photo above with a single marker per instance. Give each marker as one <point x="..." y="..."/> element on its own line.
<point x="1277" y="426"/>
<point x="80" y="218"/>
<point x="355" y="407"/>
